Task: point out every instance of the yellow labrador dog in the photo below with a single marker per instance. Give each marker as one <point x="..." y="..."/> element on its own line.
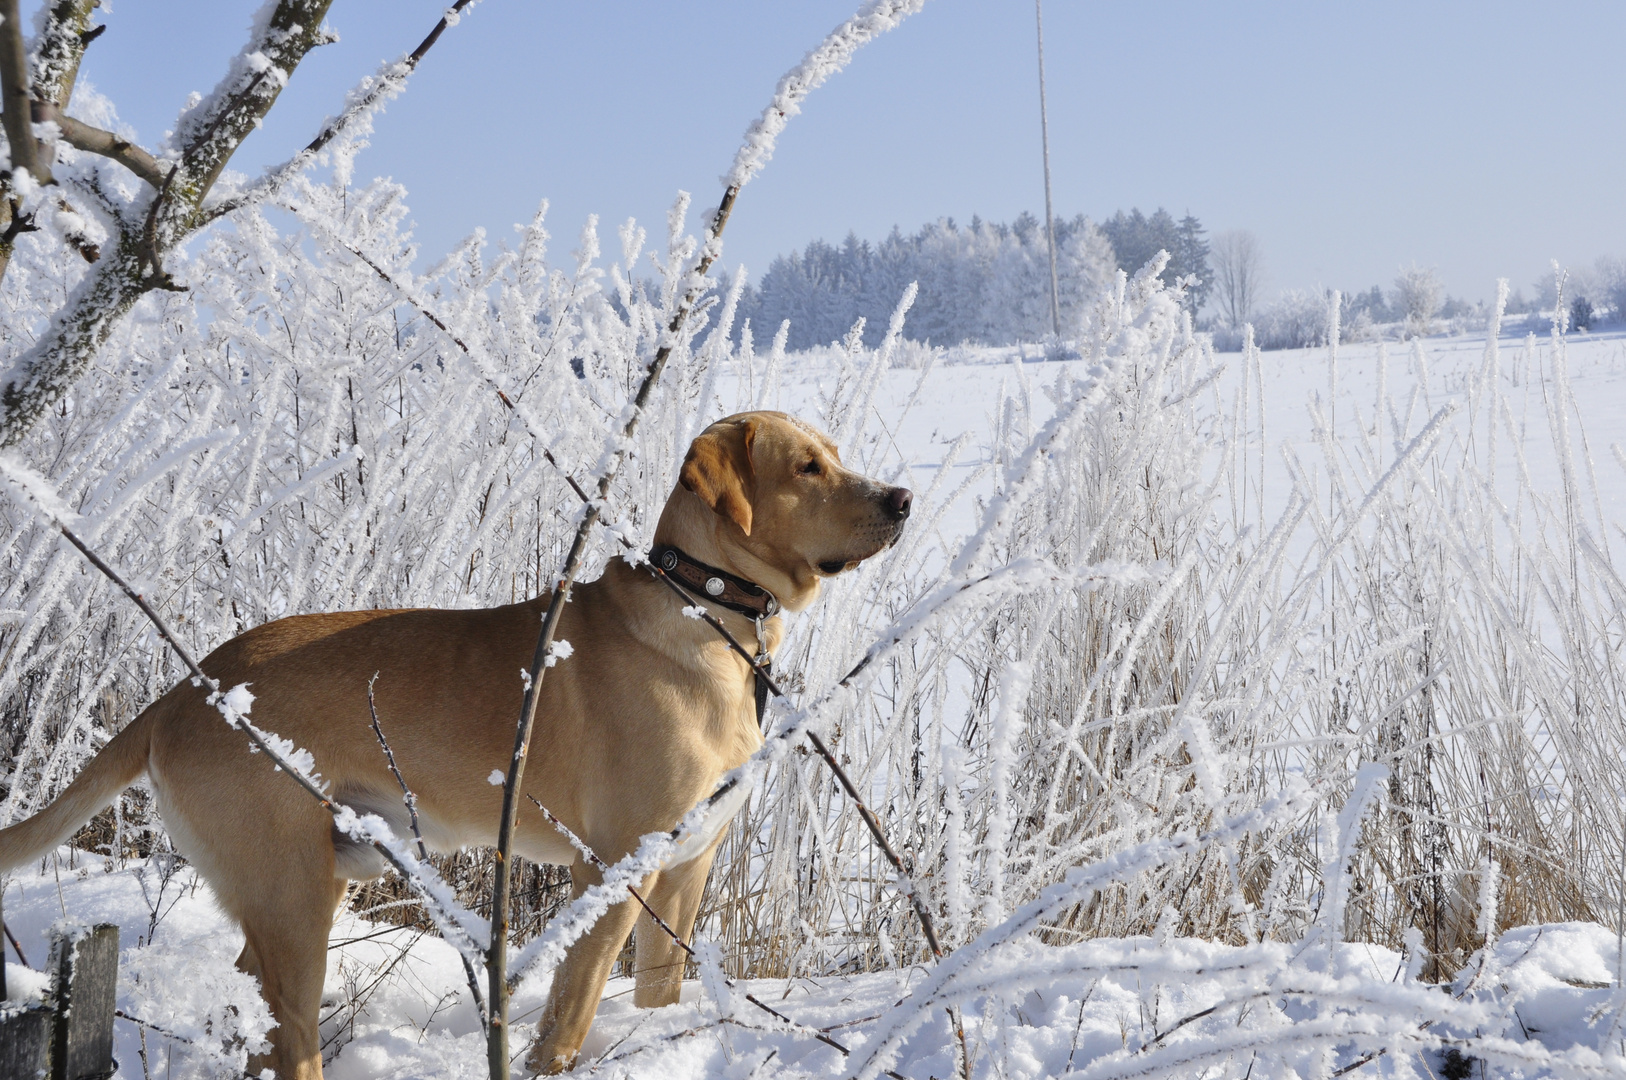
<point x="633" y="728"/>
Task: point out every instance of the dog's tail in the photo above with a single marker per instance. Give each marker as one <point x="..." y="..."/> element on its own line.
<point x="109" y="772"/>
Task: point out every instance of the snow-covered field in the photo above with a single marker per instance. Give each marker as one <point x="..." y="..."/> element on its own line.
<point x="396" y="1006"/>
<point x="1542" y="1000"/>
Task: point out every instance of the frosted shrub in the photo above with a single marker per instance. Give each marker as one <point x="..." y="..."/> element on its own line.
<point x="206" y="1016"/>
<point x="1418" y="294"/>
<point x="1358" y="630"/>
<point x="1297" y="320"/>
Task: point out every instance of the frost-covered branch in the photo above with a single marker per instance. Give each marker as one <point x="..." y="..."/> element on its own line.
<point x="57" y="53"/>
<point x="833" y="54"/>
<point x="354" y="123"/>
<point x="178" y="204"/>
<point x="614" y="454"/>
<point x="207" y="135"/>
<point x="829" y="58"/>
<point x="820" y="65"/>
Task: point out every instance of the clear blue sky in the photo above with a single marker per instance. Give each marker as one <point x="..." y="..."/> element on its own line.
<point x="1483" y="138"/>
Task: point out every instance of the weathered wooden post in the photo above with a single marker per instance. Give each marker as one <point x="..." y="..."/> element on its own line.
<point x="69" y="1036"/>
<point x="85" y="971"/>
<point x="25" y="1044"/>
<point x="25" y="1034"/>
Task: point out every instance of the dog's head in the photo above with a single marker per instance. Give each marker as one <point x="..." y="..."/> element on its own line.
<point x="765" y="496"/>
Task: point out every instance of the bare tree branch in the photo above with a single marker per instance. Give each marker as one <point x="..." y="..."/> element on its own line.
<point x="93" y="140"/>
<point x="372" y="94"/>
<point x="18" y="116"/>
<point x="57" y="54"/>
<point x="208" y="135"/>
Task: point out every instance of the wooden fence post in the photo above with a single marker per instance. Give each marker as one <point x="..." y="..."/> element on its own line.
<point x="25" y="1044"/>
<point x="84" y="969"/>
<point x="25" y="1034"/>
<point x="70" y="1035"/>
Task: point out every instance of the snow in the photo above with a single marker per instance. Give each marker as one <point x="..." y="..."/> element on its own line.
<point x="396" y="1006"/>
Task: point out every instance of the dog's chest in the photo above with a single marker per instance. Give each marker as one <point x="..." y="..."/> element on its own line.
<point x="728" y="703"/>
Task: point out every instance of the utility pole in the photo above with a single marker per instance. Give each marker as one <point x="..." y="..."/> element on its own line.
<point x="1049" y="213"/>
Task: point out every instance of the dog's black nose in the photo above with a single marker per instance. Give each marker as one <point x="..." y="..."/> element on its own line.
<point x="898" y="500"/>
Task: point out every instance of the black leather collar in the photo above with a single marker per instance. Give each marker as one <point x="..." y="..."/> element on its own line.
<point x="713" y="585"/>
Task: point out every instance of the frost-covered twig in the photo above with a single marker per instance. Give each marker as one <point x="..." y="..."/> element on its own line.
<point x="411" y="801"/>
<point x="354" y="122"/>
<point x="833" y="54"/>
<point x="603" y="867"/>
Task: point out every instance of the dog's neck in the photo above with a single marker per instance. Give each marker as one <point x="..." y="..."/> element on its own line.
<point x="714" y="585"/>
<point x="691" y="526"/>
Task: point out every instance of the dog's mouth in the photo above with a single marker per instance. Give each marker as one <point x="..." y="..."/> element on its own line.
<point x="879" y="539"/>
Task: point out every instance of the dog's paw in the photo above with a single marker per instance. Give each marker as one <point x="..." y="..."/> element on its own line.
<point x="542" y="1062"/>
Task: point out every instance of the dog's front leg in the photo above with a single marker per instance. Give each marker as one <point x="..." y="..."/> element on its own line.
<point x="579" y="981"/>
<point x="660" y="963"/>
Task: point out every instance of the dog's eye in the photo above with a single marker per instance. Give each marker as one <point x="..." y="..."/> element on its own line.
<point x="811" y="468"/>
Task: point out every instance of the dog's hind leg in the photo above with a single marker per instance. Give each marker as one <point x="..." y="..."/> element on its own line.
<point x="579" y="981"/>
<point x="676" y="897"/>
<point x="249" y="964"/>
<point x="285" y="930"/>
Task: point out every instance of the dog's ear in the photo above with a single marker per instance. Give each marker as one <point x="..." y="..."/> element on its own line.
<point x="718" y="469"/>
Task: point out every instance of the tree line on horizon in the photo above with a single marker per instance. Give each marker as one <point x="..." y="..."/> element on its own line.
<point x="986" y="282"/>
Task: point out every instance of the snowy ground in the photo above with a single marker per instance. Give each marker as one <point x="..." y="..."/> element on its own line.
<point x="394" y="1010"/>
<point x="397" y="1007"/>
<point x="962" y="396"/>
